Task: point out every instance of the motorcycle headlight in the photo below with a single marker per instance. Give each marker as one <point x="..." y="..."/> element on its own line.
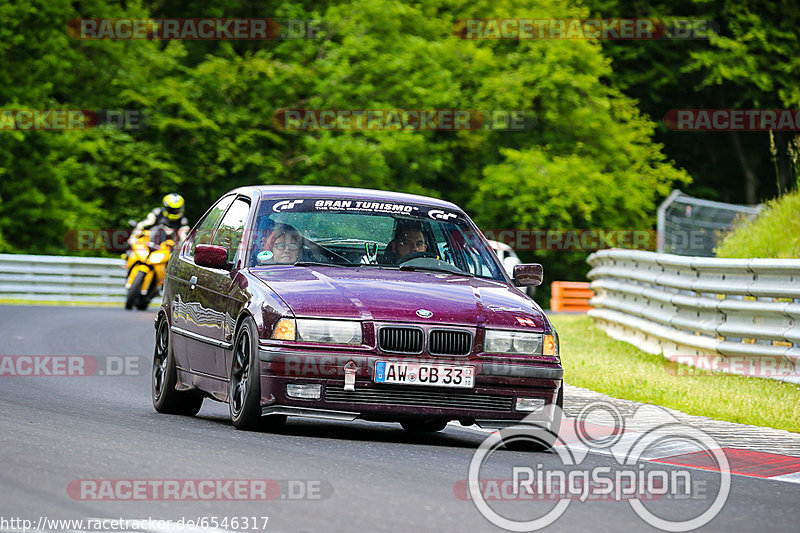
<point x="512" y="342"/>
<point x="157" y="257"/>
<point x="329" y="331"/>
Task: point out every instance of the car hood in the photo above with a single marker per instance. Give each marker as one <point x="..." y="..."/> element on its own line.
<point x="389" y="295"/>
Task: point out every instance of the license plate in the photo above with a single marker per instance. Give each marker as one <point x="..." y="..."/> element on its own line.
<point x="424" y="374"/>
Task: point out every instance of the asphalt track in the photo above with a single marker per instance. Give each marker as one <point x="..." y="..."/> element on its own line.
<point x="332" y="476"/>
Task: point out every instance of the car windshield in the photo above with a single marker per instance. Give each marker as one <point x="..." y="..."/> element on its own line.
<point x="363" y="233"/>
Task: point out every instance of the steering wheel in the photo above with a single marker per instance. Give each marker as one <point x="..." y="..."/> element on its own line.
<point x="415" y="255"/>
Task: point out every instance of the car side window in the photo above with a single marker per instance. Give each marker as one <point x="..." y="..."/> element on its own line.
<point x="205" y="230"/>
<point x="231" y="229"/>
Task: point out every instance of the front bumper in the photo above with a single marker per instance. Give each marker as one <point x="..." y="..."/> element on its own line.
<point x="490" y="403"/>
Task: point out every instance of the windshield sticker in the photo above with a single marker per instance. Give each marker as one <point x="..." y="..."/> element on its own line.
<point x="264" y="256"/>
<point x="286" y="205"/>
<point x="438" y="214"/>
<point x="359" y="205"/>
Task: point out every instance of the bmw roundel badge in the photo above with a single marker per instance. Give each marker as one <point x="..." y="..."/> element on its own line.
<point x="424" y="313"/>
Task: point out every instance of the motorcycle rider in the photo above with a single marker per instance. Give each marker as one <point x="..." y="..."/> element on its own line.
<point x="169" y="214"/>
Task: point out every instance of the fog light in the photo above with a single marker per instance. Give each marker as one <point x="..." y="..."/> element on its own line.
<point x="304" y="392"/>
<point x="530" y="404"/>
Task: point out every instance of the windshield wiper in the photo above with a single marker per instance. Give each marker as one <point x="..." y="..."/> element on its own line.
<point x="345" y="265"/>
<point x="317" y="263"/>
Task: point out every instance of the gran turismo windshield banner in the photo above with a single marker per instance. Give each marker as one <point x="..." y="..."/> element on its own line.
<point x="307" y="205"/>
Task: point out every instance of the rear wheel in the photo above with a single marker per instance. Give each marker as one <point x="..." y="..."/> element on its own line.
<point x="165" y="398"/>
<point x="135" y="291"/>
<point x="424" y="426"/>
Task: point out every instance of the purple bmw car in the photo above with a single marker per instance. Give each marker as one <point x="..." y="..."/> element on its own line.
<point x="351" y="304"/>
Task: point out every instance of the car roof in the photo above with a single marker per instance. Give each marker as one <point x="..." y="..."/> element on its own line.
<point x="314" y="191"/>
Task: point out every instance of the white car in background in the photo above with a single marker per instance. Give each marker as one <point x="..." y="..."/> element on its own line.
<point x="509" y="259"/>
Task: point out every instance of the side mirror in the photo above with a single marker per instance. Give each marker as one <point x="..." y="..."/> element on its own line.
<point x="208" y="255"/>
<point x="528" y="275"/>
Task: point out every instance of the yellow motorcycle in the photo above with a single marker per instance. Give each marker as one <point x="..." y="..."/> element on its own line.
<point x="147" y="263"/>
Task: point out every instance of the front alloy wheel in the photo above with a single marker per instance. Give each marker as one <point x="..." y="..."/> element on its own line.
<point x="244" y="397"/>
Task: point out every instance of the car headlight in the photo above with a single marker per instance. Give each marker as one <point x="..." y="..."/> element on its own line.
<point x="312" y="330"/>
<point x="513" y="342"/>
<point x="285" y="330"/>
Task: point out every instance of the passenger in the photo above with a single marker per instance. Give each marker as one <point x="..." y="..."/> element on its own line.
<point x="282" y="246"/>
<point x="408" y="239"/>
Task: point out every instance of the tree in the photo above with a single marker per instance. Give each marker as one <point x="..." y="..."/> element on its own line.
<point x="750" y="63"/>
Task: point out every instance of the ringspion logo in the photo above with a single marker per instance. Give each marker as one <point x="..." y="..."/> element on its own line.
<point x="694" y="501"/>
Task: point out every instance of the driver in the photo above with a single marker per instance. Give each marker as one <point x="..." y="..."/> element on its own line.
<point x="283" y="246"/>
<point x="408" y="239"/>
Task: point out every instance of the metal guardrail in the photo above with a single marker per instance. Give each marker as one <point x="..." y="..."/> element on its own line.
<point x="62" y="278"/>
<point x="740" y="314"/>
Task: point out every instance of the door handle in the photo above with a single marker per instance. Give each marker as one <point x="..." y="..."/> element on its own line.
<point x="192" y="282"/>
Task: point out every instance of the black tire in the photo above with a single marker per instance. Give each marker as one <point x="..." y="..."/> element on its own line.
<point x="165" y="398"/>
<point x="542" y="440"/>
<point x="244" y="395"/>
<point x="430" y="425"/>
<point x="135" y="291"/>
<point x="145" y="300"/>
<point x="555" y="427"/>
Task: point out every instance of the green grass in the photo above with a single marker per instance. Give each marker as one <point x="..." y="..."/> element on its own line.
<point x="775" y="232"/>
<point x="595" y="361"/>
